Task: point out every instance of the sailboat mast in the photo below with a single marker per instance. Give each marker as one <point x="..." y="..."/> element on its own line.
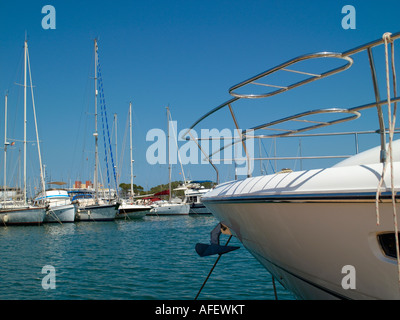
<point x="25" y="58"/>
<point x="36" y="129"/>
<point x="116" y="150"/>
<point x="5" y="150"/>
<point x="130" y="132"/>
<point x="95" y="123"/>
<point x="169" y="159"/>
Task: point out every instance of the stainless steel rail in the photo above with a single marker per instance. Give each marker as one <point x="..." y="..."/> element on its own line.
<point x="351" y="113"/>
<point x="318" y="124"/>
<point x="282" y="67"/>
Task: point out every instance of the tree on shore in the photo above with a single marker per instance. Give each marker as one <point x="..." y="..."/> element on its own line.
<point x="139" y="190"/>
<point x="126" y="189"/>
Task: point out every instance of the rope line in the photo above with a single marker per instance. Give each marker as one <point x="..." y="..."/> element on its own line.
<point x="212" y="269"/>
<point x="392" y="121"/>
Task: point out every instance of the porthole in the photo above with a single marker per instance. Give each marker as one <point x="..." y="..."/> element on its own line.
<point x="387" y="242"/>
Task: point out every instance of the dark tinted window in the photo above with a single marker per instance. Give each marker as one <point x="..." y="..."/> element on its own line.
<point x="388" y="244"/>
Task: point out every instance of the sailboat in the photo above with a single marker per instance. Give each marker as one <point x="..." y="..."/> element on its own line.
<point x="12" y="213"/>
<point x="172" y="206"/>
<point x="128" y="209"/>
<point x="95" y="209"/>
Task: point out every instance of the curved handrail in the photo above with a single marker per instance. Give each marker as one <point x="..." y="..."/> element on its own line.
<point x="281" y="67"/>
<point x="346" y="56"/>
<point x="354" y="114"/>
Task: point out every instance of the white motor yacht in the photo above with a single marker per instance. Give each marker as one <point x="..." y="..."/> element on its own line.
<point x="330" y="232"/>
<point x="59" y="206"/>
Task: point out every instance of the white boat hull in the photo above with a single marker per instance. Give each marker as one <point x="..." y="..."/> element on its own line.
<point x="170" y="209"/>
<point x="305" y="237"/>
<point x="59" y="206"/>
<point x="65" y="213"/>
<point x="22" y="216"/>
<point x="132" y="211"/>
<point x="96" y="213"/>
<point x="199" y="208"/>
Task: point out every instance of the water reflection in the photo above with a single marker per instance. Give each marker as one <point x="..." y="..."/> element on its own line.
<point x="56" y="230"/>
<point x="150" y="258"/>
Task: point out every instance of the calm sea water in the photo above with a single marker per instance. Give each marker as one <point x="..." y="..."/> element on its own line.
<point x="148" y="259"/>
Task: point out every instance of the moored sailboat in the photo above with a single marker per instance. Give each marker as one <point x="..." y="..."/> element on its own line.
<point x="128" y="208"/>
<point x="94" y="209"/>
<point x="171" y="206"/>
<point x="22" y="213"/>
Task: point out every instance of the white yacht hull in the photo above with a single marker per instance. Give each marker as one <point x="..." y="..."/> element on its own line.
<point x="22" y="216"/>
<point x="59" y="206"/>
<point x="170" y="209"/>
<point x="304" y="227"/>
<point x="132" y="211"/>
<point x="96" y="213"/>
<point x="62" y="213"/>
<point x="198" y="208"/>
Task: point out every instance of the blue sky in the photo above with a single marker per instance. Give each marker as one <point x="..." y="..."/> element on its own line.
<point x="185" y="54"/>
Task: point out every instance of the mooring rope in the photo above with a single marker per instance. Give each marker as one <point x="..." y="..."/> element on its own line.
<point x="273" y="284"/>
<point x="392" y="121"/>
<point x="212" y="269"/>
<point x="54" y="215"/>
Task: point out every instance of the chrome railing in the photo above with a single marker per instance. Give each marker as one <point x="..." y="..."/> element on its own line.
<point x="348" y="114"/>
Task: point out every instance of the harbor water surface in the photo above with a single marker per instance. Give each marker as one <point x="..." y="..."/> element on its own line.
<point x="148" y="259"/>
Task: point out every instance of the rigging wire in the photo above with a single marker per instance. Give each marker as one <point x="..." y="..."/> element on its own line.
<point x="104" y="120"/>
